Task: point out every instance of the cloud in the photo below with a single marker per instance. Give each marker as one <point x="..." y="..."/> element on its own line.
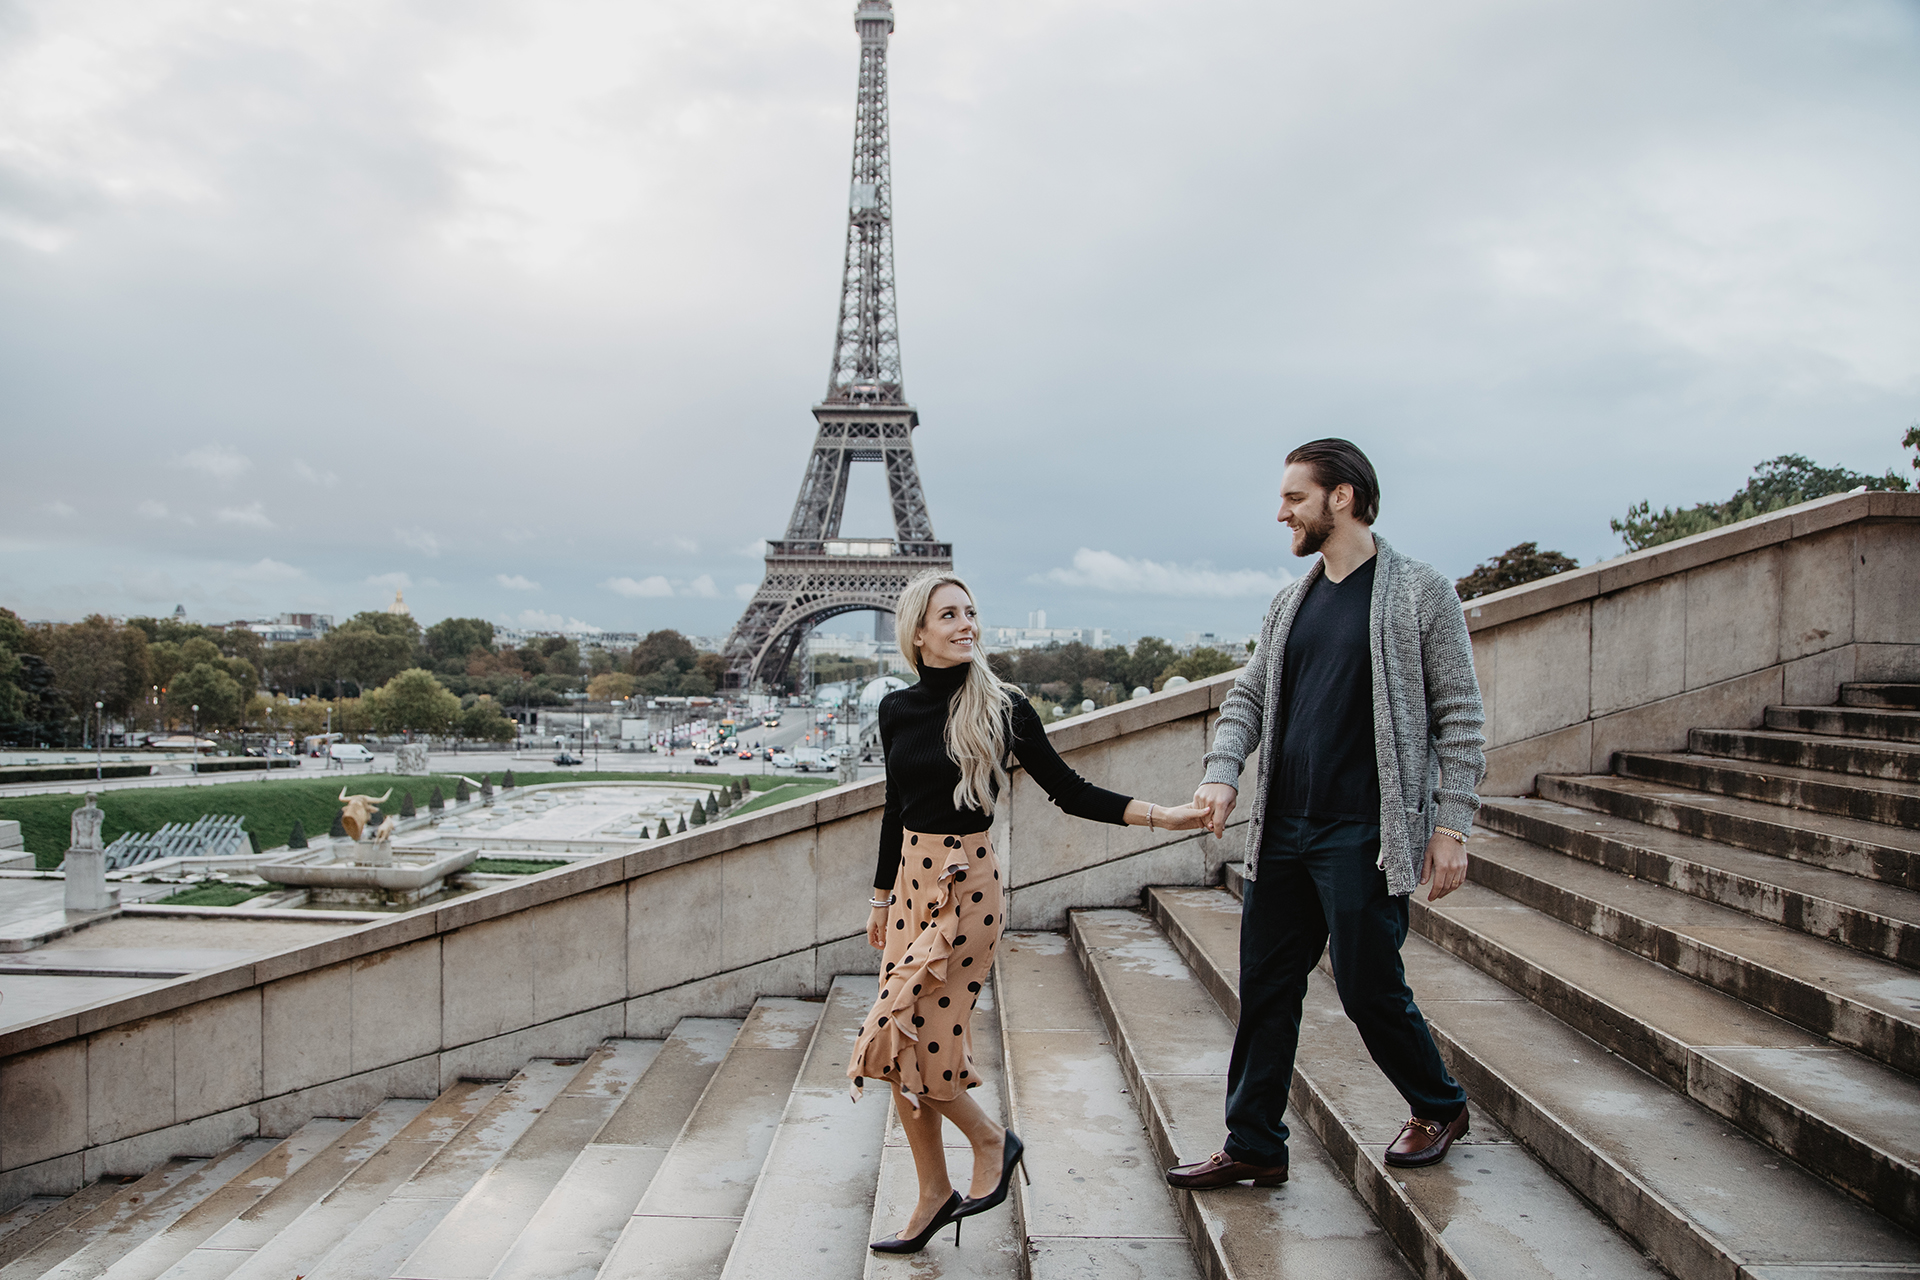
<point x="516" y="582"/>
<point x="395" y="581"/>
<point x="755" y="550"/>
<point x="745" y="590"/>
<point x="218" y="461"/>
<point x="645" y="588"/>
<point x="538" y="620"/>
<point x="326" y="479"/>
<point x="1105" y="571"/>
<point x="678" y="542"/>
<point x="418" y="540"/>
<point x="267" y="569"/>
<point x="253" y="516"/>
<point x="152" y="510"/>
<point x="703" y="587"/>
<point x="61" y="510"/>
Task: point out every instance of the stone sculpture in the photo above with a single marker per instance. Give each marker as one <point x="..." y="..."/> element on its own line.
<point x="410" y="758"/>
<point x="86" y="864"/>
<point x="354" y="818"/>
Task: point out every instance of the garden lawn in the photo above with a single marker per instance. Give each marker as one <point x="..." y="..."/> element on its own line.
<point x="782" y="790"/>
<point x="269" y="806"/>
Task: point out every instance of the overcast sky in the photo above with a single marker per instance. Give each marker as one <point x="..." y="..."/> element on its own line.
<point x="521" y="304"/>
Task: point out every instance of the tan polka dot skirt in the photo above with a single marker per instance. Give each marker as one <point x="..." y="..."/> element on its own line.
<point x="947" y="916"/>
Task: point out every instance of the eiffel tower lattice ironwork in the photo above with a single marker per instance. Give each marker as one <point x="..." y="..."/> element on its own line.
<point x="814" y="573"/>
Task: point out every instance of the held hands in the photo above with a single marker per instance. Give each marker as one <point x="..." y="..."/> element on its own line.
<point x="1445" y="867"/>
<point x="1184" y="817"/>
<point x="1217" y="800"/>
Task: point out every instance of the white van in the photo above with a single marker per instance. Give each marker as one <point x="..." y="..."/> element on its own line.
<point x="350" y="753"/>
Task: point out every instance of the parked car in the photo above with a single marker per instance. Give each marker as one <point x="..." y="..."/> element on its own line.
<point x="567" y="757"/>
<point x="350" y="753"/>
<point x="780" y="760"/>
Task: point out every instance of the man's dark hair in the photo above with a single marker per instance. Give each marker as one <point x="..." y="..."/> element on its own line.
<point x="1336" y="462"/>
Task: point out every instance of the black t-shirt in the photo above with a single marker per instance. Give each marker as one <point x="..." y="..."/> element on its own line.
<point x="1325" y="767"/>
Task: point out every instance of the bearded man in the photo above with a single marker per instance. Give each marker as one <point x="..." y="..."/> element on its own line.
<point x="1362" y="701"/>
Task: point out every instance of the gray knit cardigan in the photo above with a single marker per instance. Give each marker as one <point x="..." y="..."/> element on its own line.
<point x="1427" y="717"/>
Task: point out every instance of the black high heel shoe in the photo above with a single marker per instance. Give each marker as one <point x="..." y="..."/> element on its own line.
<point x="948" y="1212"/>
<point x="1012" y="1152"/>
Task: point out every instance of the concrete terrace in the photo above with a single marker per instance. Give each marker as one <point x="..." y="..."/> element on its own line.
<point x="1680" y="988"/>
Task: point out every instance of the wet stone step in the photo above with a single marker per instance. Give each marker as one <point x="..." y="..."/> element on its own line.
<point x="127" y="1205"/>
<point x="1868" y="799"/>
<point x="1856" y="757"/>
<point x="1700" y="1195"/>
<point x="1878" y="919"/>
<point x="1853" y="1121"/>
<point x="471" y="1239"/>
<point x="1887" y="724"/>
<point x="1871" y="850"/>
<point x="1904" y="697"/>
<point x="684" y="1225"/>
<point x="1860" y="1001"/>
<point x="577" y="1225"/>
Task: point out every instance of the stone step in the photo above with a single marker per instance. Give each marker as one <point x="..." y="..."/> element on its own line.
<point x="394" y="1227"/>
<point x="1099" y="1204"/>
<point x="1870" y="850"/>
<point x="469" y="1242"/>
<point x="1904" y="697"/>
<point x="233" y="1244"/>
<point x="1847" y="1118"/>
<point x="1878" y="919"/>
<point x="1700" y="1195"/>
<point x="1866" y="799"/>
<point x="300" y="1246"/>
<point x="684" y="1225"/>
<point x="994" y="1245"/>
<point x="1492" y="1209"/>
<point x="32" y="1226"/>
<point x="281" y="1161"/>
<point x="1859" y="1001"/>
<point x="23" y="1213"/>
<point x="577" y="1225"/>
<point x="130" y="1203"/>
<point x="813" y="1201"/>
<point x="1864" y="723"/>
<point x="160" y="1211"/>
<point x="1856" y="757"/>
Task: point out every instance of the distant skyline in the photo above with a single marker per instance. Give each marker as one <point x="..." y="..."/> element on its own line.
<point x="520" y="307"/>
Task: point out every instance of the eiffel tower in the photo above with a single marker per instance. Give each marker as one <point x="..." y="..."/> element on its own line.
<point x="813" y="573"/>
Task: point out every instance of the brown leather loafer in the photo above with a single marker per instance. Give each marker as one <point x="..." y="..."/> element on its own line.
<point x="1423" y="1142"/>
<point x="1222" y="1170"/>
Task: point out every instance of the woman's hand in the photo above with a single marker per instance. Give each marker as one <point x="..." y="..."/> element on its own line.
<point x="877" y="928"/>
<point x="1184" y="817"/>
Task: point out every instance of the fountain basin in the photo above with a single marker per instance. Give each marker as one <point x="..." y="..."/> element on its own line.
<point x="403" y="882"/>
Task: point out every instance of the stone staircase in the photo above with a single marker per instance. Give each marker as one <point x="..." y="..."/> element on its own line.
<point x="1682" y="998"/>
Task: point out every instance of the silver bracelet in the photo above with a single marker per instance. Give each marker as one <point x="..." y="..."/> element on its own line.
<point x="879" y="903"/>
<point x="1149" y="815"/>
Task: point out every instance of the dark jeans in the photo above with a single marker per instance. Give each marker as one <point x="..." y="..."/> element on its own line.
<point x="1318" y="885"/>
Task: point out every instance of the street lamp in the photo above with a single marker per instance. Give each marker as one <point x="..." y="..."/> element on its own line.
<point x="100" y="729"/>
<point x="196" y="739"/>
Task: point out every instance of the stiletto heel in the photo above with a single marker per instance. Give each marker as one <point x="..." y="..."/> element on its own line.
<point x="948" y="1212"/>
<point x="1013" y="1152"/>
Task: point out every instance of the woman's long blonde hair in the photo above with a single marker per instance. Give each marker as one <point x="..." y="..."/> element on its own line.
<point x="978" y="717"/>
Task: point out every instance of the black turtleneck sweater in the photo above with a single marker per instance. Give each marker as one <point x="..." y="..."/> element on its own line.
<point x="921" y="775"/>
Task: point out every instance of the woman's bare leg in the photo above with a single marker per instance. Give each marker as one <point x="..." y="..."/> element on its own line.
<point x="987" y="1138"/>
<point x="929" y="1160"/>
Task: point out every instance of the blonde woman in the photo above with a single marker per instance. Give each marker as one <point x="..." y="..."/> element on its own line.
<point x="938" y="905"/>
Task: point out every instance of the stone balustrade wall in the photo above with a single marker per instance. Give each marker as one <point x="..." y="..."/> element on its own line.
<point x="1705" y="632"/>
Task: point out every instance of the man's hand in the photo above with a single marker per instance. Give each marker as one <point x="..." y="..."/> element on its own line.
<point x="1217" y="798"/>
<point x="1446" y="866"/>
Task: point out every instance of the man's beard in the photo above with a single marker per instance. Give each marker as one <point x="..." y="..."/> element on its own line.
<point x="1312" y="532"/>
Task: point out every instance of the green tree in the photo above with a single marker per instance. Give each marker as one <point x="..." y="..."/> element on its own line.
<point x="297" y="838"/>
<point x="610" y="686"/>
<point x="1140" y="666"/>
<point x="363" y="654"/>
<point x="662" y="833"/>
<point x="214" y="690"/>
<point x="13" y="643"/>
<point x="661" y="647"/>
<point x="1523" y="562"/>
<point x="98" y="660"/>
<point x="1781" y="482"/>
<point x="413" y="702"/>
<point x="452" y="642"/>
<point x="1198" y="665"/>
<point x="482" y="721"/>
